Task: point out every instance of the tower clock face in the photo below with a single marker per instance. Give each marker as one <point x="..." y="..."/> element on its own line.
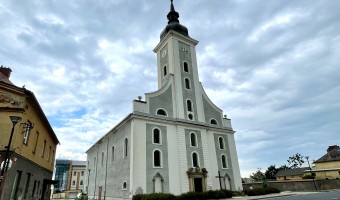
<point x="163" y="53"/>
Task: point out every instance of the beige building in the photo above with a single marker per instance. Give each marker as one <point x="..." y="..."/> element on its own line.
<point x="328" y="166"/>
<point x="29" y="144"/>
<point x="77" y="175"/>
<point x="292" y="174"/>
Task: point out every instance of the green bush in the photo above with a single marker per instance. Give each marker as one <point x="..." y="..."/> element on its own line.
<point x="217" y="194"/>
<point x="308" y="176"/>
<point x="262" y="191"/>
<point x="158" y="196"/>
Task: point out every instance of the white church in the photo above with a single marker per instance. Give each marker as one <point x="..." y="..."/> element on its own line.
<point x="175" y="141"/>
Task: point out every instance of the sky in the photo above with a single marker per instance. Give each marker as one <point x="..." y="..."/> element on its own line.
<point x="271" y="66"/>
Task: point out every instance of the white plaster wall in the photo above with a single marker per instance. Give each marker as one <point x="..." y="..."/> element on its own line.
<point x="213" y="159"/>
<point x="173" y="156"/>
<point x="139" y="155"/>
<point x="236" y="168"/>
<point x="183" y="164"/>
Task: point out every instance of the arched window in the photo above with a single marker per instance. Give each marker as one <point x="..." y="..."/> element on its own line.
<point x="189" y="105"/>
<point x="187" y="83"/>
<point x="164" y="71"/>
<point x="156" y="136"/>
<point x="161" y="112"/>
<point x="185" y="67"/>
<point x="213" y="121"/>
<point x="195" y="160"/>
<point x="224" y="162"/>
<point x="112" y="154"/>
<point x="124" y="186"/>
<point x="193" y="141"/>
<point x="190" y="116"/>
<point x="125" y="148"/>
<point x="221" y="142"/>
<point x="157" y="158"/>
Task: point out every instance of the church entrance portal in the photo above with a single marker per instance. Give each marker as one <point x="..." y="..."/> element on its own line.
<point x="198" y="184"/>
<point x="197" y="179"/>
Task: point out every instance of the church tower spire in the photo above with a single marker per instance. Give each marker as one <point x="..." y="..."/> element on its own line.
<point x="173" y="23"/>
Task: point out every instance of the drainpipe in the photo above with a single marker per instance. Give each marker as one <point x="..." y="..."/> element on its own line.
<point x="95" y="176"/>
<point x="107" y="158"/>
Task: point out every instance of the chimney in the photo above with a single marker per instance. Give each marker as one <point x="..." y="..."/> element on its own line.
<point x="6" y="71"/>
<point x="330" y="148"/>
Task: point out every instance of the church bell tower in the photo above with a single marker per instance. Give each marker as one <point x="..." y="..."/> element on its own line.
<point x="176" y="58"/>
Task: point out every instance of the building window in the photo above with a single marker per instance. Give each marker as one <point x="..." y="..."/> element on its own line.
<point x="82" y="173"/>
<point x="43" y="149"/>
<point x="52" y="161"/>
<point x="224" y="162"/>
<point x="81" y="182"/>
<point x="124" y="187"/>
<point x="28" y="127"/>
<point x="195" y="159"/>
<point x="193" y="139"/>
<point x="36" y="143"/>
<point x="157" y="158"/>
<point x="102" y="158"/>
<point x="14" y="194"/>
<point x="165" y="71"/>
<point x="112" y="154"/>
<point x="27" y="185"/>
<point x="213" y="121"/>
<point x="49" y="154"/>
<point x="161" y="112"/>
<point x="221" y="142"/>
<point x="185" y="67"/>
<point x="156" y="136"/>
<point x="190" y="116"/>
<point x="125" y="148"/>
<point x="189" y="105"/>
<point x="73" y="183"/>
<point x="74" y="173"/>
<point x="187" y="83"/>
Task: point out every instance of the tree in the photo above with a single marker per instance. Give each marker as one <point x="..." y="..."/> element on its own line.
<point x="283" y="167"/>
<point x="258" y="175"/>
<point x="271" y="172"/>
<point x="295" y="161"/>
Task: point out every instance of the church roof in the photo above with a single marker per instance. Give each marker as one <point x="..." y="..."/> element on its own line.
<point x="173" y="23"/>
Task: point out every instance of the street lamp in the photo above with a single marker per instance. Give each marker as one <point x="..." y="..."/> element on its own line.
<point x="310" y="170"/>
<point x="14" y="120"/>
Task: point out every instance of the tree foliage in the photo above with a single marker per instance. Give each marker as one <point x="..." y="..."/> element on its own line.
<point x="270" y="173"/>
<point x="258" y="175"/>
<point x="295" y="161"/>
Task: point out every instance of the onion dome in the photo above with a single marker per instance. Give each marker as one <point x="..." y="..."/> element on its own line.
<point x="173" y="23"/>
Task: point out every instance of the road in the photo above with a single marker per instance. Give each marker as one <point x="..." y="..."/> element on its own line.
<point x="324" y="195"/>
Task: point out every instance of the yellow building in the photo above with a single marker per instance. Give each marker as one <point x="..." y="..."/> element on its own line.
<point x="32" y="143"/>
<point x="328" y="166"/>
<point x="292" y="174"/>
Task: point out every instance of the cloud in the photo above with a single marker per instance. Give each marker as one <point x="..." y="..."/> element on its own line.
<point x="272" y="66"/>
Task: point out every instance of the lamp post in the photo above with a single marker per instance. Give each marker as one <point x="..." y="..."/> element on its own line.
<point x="15" y="120"/>
<point x="310" y="170"/>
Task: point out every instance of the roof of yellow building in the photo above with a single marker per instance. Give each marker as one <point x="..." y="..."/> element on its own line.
<point x="333" y="154"/>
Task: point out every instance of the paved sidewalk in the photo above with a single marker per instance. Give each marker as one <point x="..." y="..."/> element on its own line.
<point x="285" y="193"/>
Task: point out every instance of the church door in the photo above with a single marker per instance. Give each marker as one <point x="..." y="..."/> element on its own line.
<point x="198" y="185"/>
<point x="158" y="185"/>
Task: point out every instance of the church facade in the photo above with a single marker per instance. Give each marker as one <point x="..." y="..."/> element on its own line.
<point x="175" y="141"/>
